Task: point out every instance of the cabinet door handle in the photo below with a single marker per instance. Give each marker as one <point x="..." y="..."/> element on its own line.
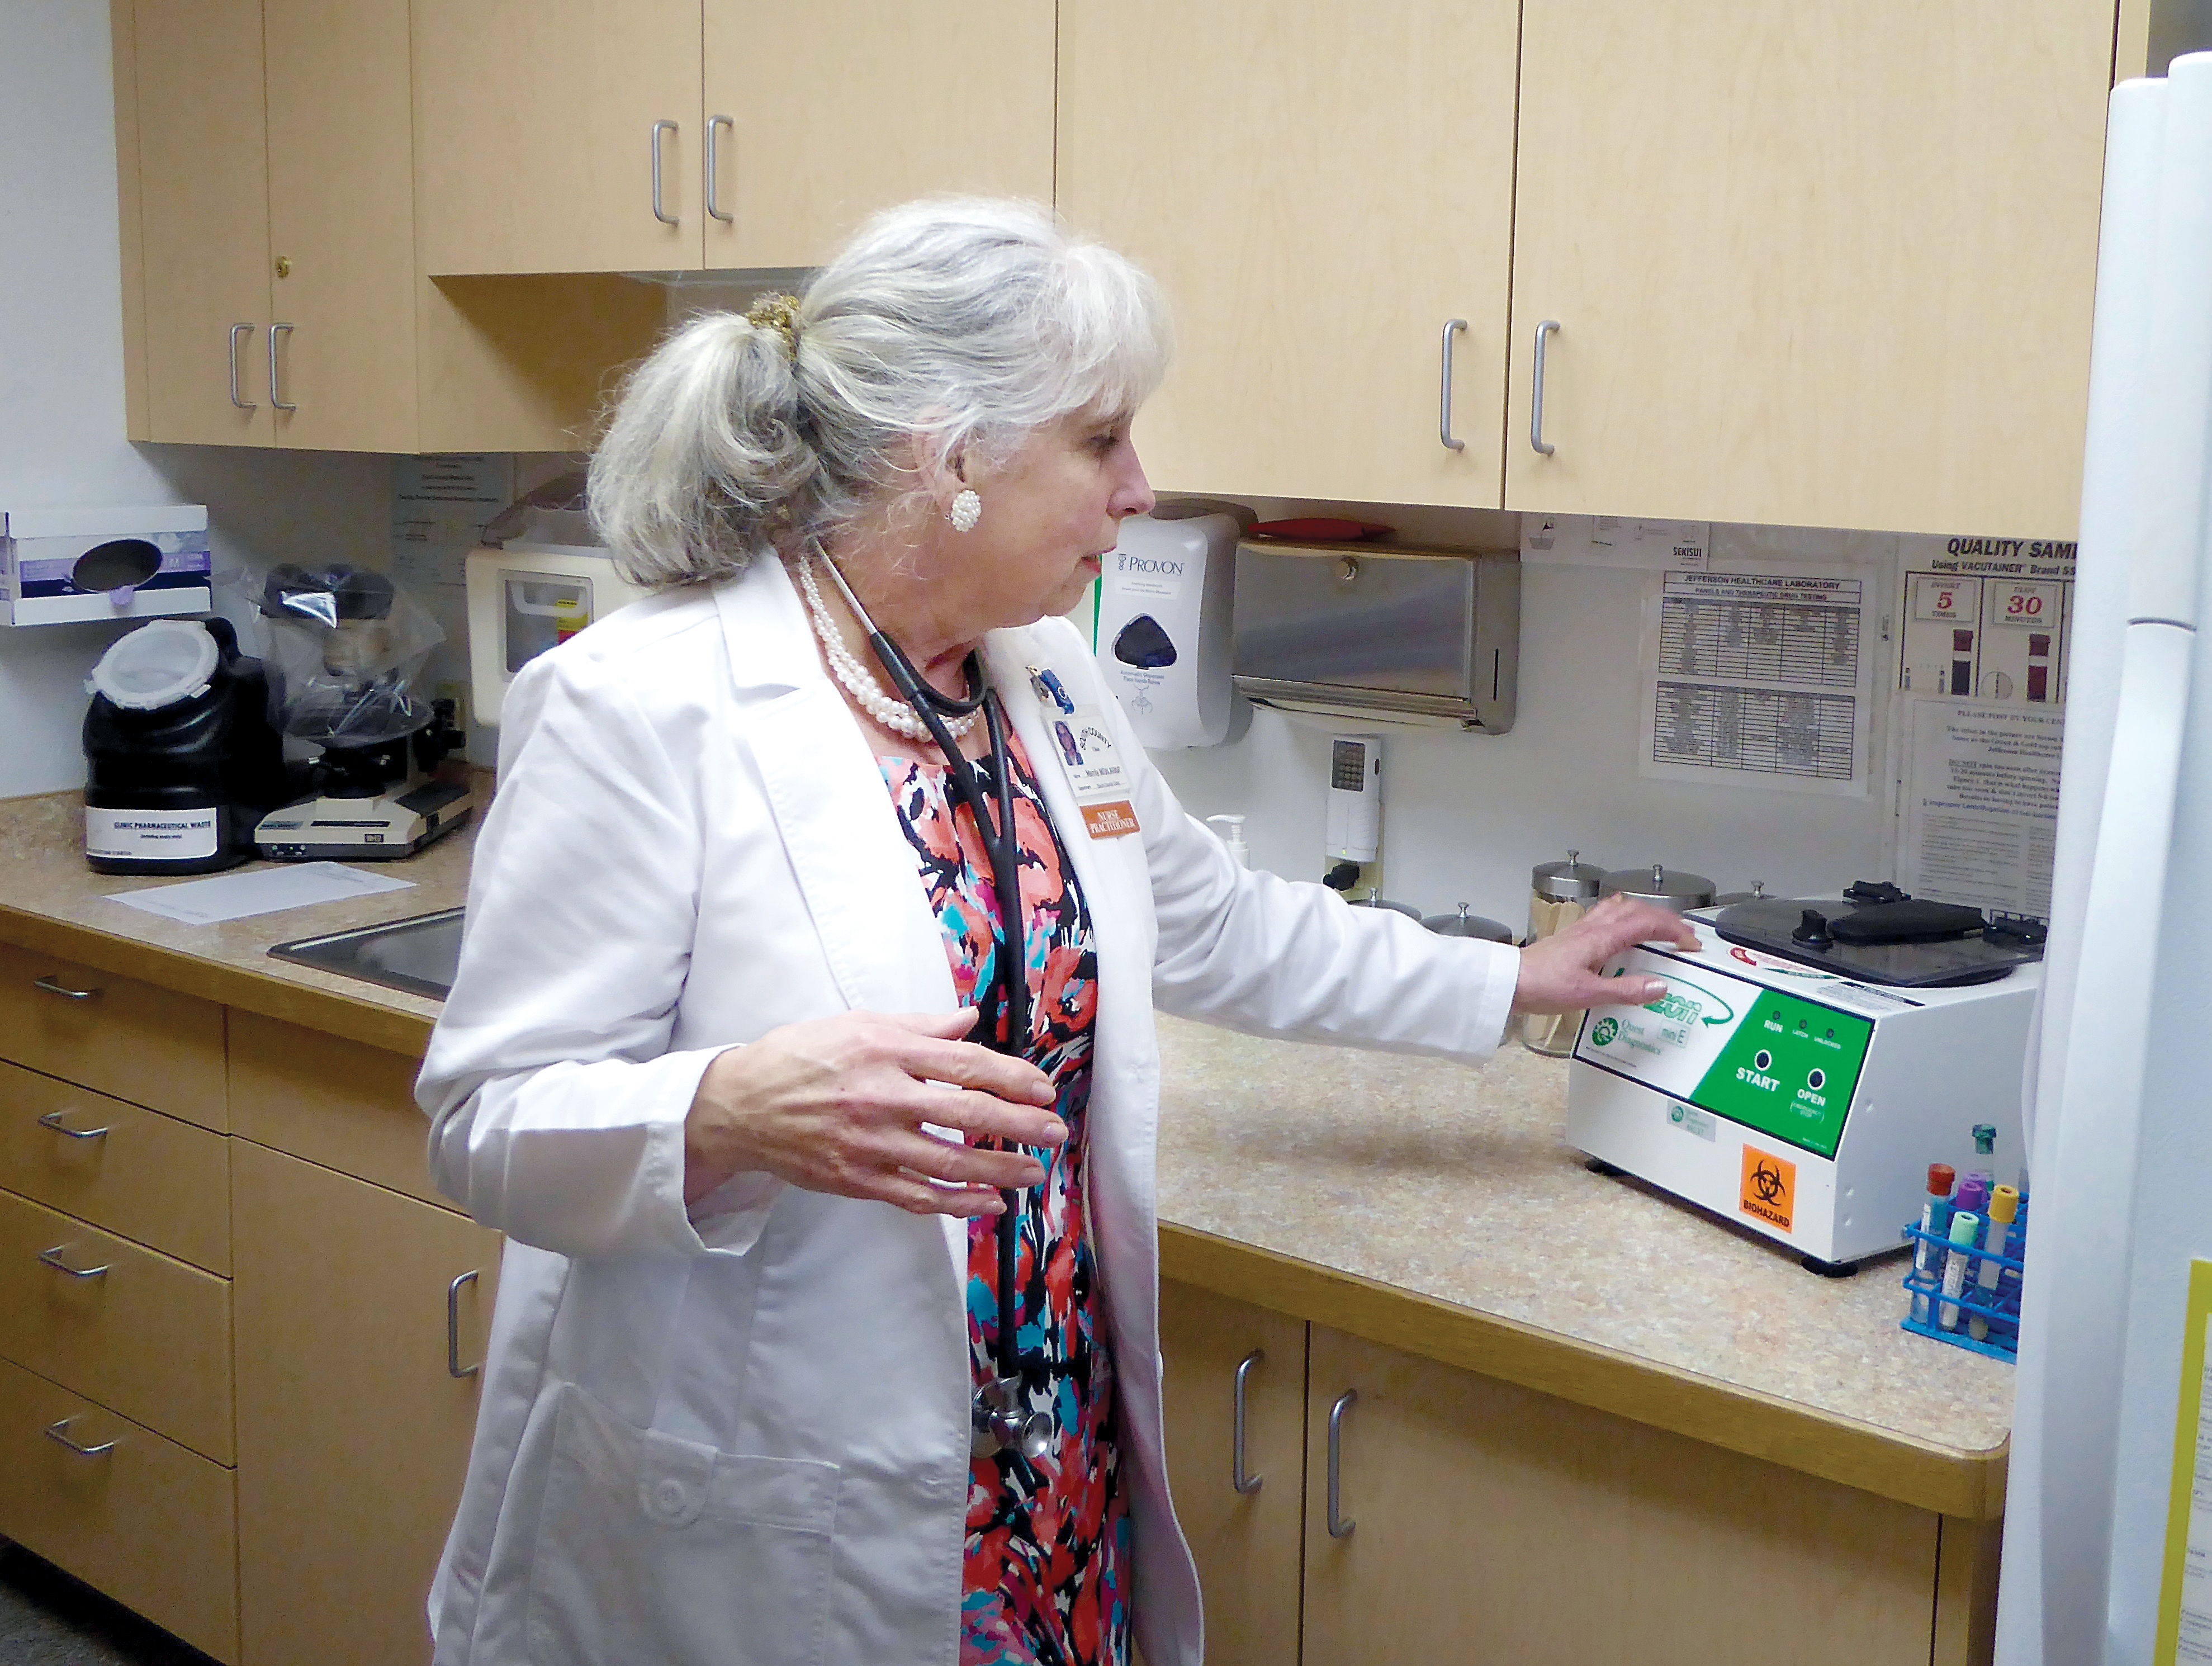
<point x="1337" y="1527"/>
<point x="53" y="1258"/>
<point x="1536" y="440"/>
<point x="52" y="1120"/>
<point x="1237" y="1477"/>
<point x="660" y="210"/>
<point x="453" y="1366"/>
<point x="1452" y="327"/>
<point x="59" y="1434"/>
<point x="274" y="331"/>
<point x="236" y="331"/>
<point x="51" y="983"/>
<point x="714" y="175"/>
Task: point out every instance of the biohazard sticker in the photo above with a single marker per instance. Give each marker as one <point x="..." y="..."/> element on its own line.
<point x="1769" y="1192"/>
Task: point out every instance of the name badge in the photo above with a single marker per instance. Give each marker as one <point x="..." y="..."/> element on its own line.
<point x="1087" y="753"/>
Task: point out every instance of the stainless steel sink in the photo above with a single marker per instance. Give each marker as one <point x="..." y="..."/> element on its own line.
<point x="417" y="954"/>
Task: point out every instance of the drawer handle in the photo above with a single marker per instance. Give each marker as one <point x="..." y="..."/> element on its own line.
<point x="1337" y="1527"/>
<point x="52" y="1120"/>
<point x="59" y="1434"/>
<point x="1536" y="441"/>
<point x="1237" y="1479"/>
<point x="453" y="1366"/>
<point x="53" y="1258"/>
<point x="51" y="984"/>
<point x="714" y="209"/>
<point x="1451" y="442"/>
<point x="660" y="209"/>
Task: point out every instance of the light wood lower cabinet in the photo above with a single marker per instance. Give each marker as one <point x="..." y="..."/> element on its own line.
<point x="1246" y="1542"/>
<point x="1491" y="1523"/>
<point x="353" y="1431"/>
<point x="1481" y="1522"/>
<point x="124" y="1509"/>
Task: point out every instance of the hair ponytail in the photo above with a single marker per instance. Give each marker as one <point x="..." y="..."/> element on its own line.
<point x="704" y="458"/>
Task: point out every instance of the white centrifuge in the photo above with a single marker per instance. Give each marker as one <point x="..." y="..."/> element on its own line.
<point x="1791" y="1097"/>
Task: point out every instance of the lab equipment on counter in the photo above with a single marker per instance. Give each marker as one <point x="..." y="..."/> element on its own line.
<point x="181" y="760"/>
<point x="1560" y="893"/>
<point x="1464" y="924"/>
<point x="1795" y="1102"/>
<point x="346" y="647"/>
<point x="542" y="576"/>
<point x="65" y="565"/>
<point x="1661" y="885"/>
<point x="1379" y="633"/>
<point x="1165" y="594"/>
<point x="1880" y="933"/>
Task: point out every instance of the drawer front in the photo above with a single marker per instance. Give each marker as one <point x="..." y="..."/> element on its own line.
<point x="134" y="1171"/>
<point x="151" y="1046"/>
<point x="150" y="1336"/>
<point x="330" y="1101"/>
<point x="151" y="1524"/>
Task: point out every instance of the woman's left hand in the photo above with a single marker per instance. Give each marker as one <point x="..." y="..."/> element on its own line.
<point x="1565" y="972"/>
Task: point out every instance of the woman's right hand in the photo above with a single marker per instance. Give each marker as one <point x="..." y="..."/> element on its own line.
<point x="837" y="1105"/>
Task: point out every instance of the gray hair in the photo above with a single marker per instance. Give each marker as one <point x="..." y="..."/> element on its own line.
<point x="947" y="324"/>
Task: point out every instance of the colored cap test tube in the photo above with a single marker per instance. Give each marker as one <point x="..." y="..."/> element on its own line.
<point x="1966" y="1225"/>
<point x="2003" y="1207"/>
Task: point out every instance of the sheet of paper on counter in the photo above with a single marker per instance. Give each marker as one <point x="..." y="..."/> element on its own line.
<point x="1979" y="817"/>
<point x="1614" y="541"/>
<point x="1759" y="678"/>
<point x="261" y="890"/>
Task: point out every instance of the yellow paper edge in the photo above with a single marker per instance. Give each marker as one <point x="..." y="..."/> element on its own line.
<point x="2184" y="1462"/>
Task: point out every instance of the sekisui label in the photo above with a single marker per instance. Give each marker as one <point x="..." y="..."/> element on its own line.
<point x="1769" y="1192"/>
<point x="141" y="835"/>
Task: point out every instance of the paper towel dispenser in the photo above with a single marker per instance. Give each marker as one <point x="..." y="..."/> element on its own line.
<point x="1379" y="633"/>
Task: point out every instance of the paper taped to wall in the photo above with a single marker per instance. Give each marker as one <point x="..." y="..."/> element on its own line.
<point x="1758" y="678"/>
<point x="1979" y="819"/>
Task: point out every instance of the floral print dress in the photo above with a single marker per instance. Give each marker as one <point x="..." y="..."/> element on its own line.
<point x="1046" y="1566"/>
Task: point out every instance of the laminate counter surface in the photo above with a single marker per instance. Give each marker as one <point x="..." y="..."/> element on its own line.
<point x="1455" y="1183"/>
<point x="44" y="883"/>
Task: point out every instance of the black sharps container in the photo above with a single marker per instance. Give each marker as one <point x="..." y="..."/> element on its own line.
<point x="181" y="760"/>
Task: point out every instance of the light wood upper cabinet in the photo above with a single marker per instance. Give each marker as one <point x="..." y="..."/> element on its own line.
<point x="1826" y="265"/>
<point x="341" y="229"/>
<point x="1490" y="1523"/>
<point x="1318" y="191"/>
<point x="353" y="1433"/>
<point x="201" y="164"/>
<point x="535" y="134"/>
<point x="956" y="97"/>
<point x="1247" y="1543"/>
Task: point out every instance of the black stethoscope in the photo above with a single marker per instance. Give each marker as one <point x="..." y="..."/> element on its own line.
<point x="997" y="1423"/>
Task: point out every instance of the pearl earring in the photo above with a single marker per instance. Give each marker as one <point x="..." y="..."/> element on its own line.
<point x="966" y="509"/>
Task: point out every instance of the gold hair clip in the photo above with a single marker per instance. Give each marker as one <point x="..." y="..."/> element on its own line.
<point x="779" y="312"/>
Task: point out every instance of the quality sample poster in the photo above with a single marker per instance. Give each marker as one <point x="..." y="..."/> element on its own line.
<point x="1759" y="678"/>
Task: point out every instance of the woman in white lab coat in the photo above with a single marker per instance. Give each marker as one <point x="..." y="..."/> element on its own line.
<point x="708" y="1061"/>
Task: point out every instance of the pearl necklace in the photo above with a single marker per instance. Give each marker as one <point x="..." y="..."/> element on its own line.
<point x="861" y="683"/>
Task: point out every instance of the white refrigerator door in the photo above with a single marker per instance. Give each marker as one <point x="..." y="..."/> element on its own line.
<point x="2074" y="1585"/>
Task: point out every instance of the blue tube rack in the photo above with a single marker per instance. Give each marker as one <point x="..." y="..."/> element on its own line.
<point x="1972" y="1302"/>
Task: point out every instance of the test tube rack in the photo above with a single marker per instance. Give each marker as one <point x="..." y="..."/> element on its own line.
<point x="1999" y="1308"/>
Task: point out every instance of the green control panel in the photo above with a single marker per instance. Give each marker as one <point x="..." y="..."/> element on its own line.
<point x="1760" y="1057"/>
<point x="1789" y="1071"/>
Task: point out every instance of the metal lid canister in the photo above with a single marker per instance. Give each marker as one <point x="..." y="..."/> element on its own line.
<point x="1571" y="881"/>
<point x="1670" y="888"/>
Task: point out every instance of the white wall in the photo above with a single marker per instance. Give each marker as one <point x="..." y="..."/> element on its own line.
<point x="1466" y="817"/>
<point x="61" y="385"/>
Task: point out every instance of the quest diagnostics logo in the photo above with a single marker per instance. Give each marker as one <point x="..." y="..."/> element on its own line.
<point x="1603" y="1031"/>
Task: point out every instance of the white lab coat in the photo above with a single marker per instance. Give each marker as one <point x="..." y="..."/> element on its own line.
<point x="737" y="1435"/>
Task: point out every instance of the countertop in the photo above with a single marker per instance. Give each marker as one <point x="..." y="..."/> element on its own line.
<point x="1429" y="1206"/>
